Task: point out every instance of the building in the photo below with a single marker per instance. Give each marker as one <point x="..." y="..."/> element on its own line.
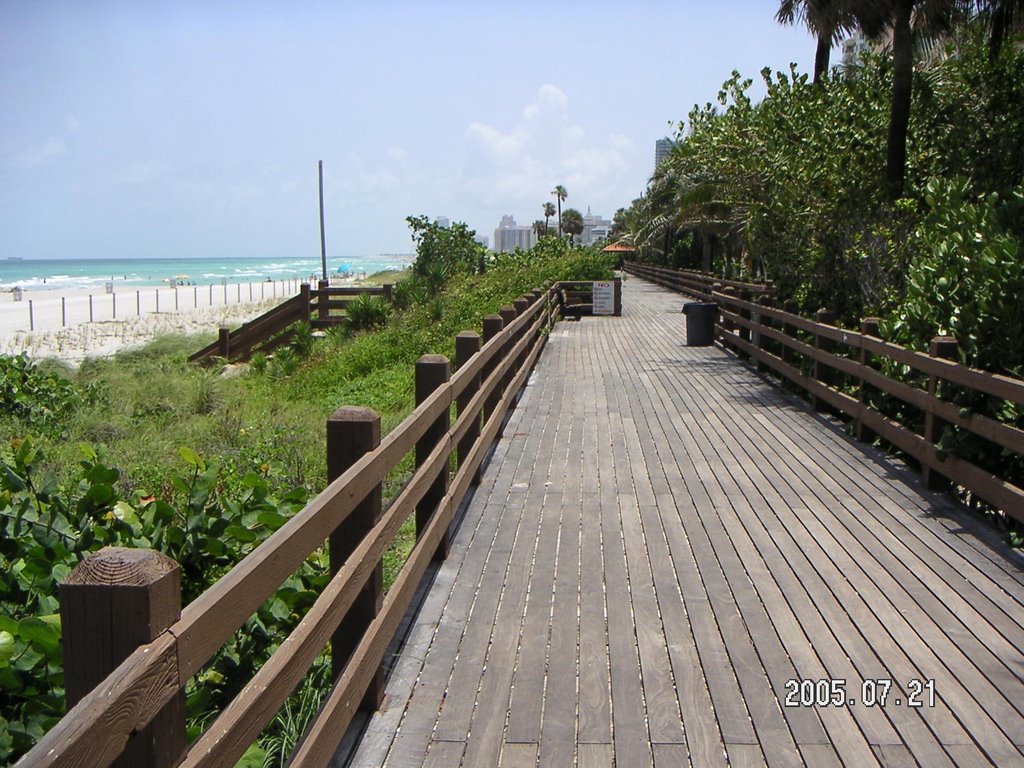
<point x="854" y="48"/>
<point x="484" y="240"/>
<point x="595" y="228"/>
<point x="509" y="236"/>
<point x="443" y="222"/>
<point x="662" y="148"/>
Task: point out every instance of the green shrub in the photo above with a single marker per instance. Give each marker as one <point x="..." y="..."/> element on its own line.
<point x="367" y="312"/>
<point x="302" y="339"/>
<point x="35" y="399"/>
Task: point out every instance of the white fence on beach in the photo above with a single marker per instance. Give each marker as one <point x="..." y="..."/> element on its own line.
<point x="46" y="310"/>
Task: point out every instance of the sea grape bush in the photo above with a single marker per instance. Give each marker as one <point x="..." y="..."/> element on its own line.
<point x="33" y="398"/>
<point x="45" y="531"/>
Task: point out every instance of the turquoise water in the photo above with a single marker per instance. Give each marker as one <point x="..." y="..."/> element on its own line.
<point x="35" y="274"/>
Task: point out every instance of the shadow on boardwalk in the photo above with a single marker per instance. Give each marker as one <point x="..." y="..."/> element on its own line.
<point x="664" y="543"/>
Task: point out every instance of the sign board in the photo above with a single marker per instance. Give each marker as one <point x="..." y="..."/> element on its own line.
<point x="604" y="298"/>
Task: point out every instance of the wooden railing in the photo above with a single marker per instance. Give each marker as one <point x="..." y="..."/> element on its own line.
<point x="698" y="284"/>
<point x="139" y="704"/>
<point x="831" y="364"/>
<point x="322" y="307"/>
<point x="843" y="371"/>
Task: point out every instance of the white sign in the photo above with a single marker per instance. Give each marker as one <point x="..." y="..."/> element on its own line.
<point x="604" y="298"/>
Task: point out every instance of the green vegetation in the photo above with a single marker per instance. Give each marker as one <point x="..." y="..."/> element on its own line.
<point x="808" y="188"/>
<point x="793" y="188"/>
<point x="146" y="450"/>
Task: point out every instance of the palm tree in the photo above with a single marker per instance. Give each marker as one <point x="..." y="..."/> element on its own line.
<point x="560" y="195"/>
<point x="549" y="211"/>
<point x="910" y="21"/>
<point x="1001" y="17"/>
<point x="830" y="20"/>
<point x="540" y="228"/>
<point x="572" y="221"/>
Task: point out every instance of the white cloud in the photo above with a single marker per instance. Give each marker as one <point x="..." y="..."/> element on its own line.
<point x="397" y="154"/>
<point x="518" y="166"/>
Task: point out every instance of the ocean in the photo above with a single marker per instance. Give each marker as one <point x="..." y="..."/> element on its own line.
<point x="37" y="274"/>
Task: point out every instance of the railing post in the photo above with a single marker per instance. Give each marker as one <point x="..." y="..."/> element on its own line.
<point x="618" y="297"/>
<point x="224" y="342"/>
<point x="467" y="344"/>
<point x="323" y="309"/>
<point x="111" y="603"/>
<point x="822" y="372"/>
<point x="492" y="327"/>
<point x="761" y="340"/>
<point x="868" y="327"/>
<point x="728" y="325"/>
<point x="352" y="433"/>
<point x="508" y="315"/>
<point x="432" y="371"/>
<point x="389" y="293"/>
<point x="788" y="354"/>
<point x="944" y="347"/>
<point x="744" y="315"/>
<point x="305" y="313"/>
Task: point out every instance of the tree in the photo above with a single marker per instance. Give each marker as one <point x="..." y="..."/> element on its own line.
<point x="560" y="195"/>
<point x="549" y="211"/>
<point x="911" y="21"/>
<point x="443" y="251"/>
<point x="572" y="222"/>
<point x="540" y="228"/>
<point x="829" y="20"/>
<point x="1001" y="17"/>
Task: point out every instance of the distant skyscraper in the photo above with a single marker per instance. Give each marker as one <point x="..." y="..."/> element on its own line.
<point x="662" y="148"/>
<point x="594" y="228"/>
<point x="443" y="222"/>
<point x="854" y="48"/>
<point x="509" y="236"/>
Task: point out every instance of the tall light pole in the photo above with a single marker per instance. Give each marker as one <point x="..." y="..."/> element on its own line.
<point x="323" y="241"/>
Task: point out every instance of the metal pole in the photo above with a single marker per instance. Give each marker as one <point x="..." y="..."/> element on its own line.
<point x="90" y="307"/>
<point x="63" y="313"/>
<point x="31" y="317"/>
<point x="323" y="241"/>
<point x="138" y="303"/>
<point x="113" y="299"/>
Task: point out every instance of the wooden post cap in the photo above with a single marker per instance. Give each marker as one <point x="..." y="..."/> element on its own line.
<point x="943" y="346"/>
<point x="869" y="326"/>
<point x="354" y="413"/>
<point x="123" y="567"/>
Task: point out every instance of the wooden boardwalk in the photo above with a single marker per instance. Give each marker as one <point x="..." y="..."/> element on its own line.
<point x="662" y="542"/>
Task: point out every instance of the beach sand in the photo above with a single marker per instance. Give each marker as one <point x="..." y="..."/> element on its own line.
<point x="60" y="326"/>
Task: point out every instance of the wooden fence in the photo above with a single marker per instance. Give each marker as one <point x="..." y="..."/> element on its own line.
<point x="699" y="284"/>
<point x="138" y="706"/>
<point x="846" y="372"/>
<point x="321" y="308"/>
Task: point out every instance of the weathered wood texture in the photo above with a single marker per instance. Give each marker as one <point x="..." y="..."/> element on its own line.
<point x="95" y="731"/>
<point x="661" y="541"/>
<point x="322" y="308"/>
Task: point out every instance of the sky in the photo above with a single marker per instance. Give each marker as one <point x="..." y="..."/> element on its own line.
<point x="193" y="129"/>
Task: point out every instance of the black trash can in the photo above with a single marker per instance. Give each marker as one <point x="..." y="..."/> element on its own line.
<point x="700" y="323"/>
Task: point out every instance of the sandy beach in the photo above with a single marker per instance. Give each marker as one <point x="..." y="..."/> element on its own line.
<point x="74" y="324"/>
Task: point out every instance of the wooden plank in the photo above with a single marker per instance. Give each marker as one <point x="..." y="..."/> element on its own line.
<point x="595" y="756"/>
<point x="95" y="730"/>
<point x="517" y="756"/>
<point x="444" y="754"/>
